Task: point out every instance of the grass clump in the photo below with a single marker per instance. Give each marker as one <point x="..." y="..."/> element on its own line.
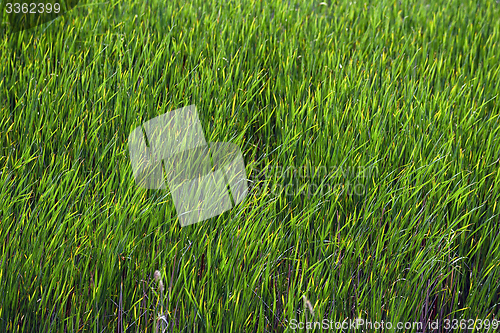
<point x="370" y="133"/>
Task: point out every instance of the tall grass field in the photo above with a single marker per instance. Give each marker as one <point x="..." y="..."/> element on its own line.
<point x="370" y="133"/>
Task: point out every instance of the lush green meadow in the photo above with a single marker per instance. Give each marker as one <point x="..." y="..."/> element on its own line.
<point x="371" y="138"/>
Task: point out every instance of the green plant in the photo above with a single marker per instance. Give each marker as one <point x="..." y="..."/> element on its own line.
<point x="409" y="90"/>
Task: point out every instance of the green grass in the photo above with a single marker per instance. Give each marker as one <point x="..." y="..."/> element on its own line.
<point x="395" y="105"/>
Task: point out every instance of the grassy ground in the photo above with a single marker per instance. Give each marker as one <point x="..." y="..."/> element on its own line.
<point x="370" y="133"/>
